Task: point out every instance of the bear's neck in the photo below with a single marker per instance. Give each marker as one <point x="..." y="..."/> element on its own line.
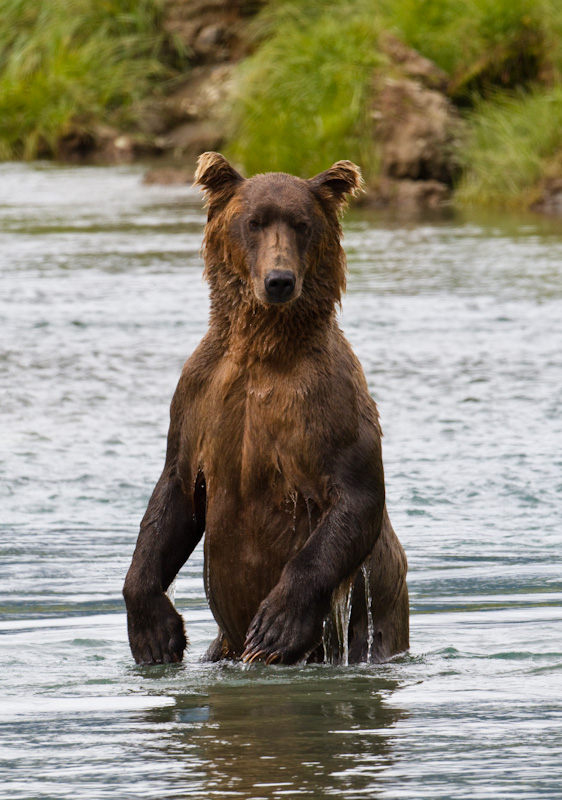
<point x="252" y="332"/>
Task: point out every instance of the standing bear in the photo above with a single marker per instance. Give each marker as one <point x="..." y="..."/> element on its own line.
<point x="274" y="446"/>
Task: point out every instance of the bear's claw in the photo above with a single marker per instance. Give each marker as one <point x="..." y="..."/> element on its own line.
<point x="280" y="634"/>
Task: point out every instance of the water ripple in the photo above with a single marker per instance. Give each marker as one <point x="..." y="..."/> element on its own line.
<point x="458" y="326"/>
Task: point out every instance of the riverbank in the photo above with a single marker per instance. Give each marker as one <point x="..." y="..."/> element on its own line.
<point x="445" y="101"/>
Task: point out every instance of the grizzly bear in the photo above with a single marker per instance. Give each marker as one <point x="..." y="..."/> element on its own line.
<point x="274" y="446"/>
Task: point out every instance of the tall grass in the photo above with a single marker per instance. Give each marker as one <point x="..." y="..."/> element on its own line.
<point x="66" y="62"/>
<point x="513" y="142"/>
<point x="504" y="58"/>
<point x="460" y="35"/>
<point x="305" y="96"/>
<point x="303" y="99"/>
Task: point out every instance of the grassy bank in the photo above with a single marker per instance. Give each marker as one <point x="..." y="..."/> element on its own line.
<point x="73" y="62"/>
<point x="514" y="141"/>
<point x="306" y="94"/>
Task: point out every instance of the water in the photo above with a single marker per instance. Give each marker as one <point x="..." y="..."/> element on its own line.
<point x="458" y="325"/>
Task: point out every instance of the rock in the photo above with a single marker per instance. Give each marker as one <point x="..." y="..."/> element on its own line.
<point x="417" y="129"/>
<point x="196" y="112"/>
<point x="192" y="138"/>
<point x="168" y="176"/>
<point x="213" y="31"/>
<point x="204" y="95"/>
<point x="412" y="64"/>
<point x="407" y="196"/>
<point x="194" y="118"/>
<point x="102" y="144"/>
<point x="550" y="200"/>
<point x="75" y="145"/>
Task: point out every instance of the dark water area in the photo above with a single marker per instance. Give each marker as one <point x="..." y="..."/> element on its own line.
<point x="458" y="325"/>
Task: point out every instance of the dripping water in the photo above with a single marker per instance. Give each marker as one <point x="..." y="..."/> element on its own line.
<point x="335" y="634"/>
<point x="326" y="641"/>
<point x="338" y="625"/>
<point x="294" y="497"/>
<point x="366" y="570"/>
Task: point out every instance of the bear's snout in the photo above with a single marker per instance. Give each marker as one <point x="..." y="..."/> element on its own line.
<point x="280" y="285"/>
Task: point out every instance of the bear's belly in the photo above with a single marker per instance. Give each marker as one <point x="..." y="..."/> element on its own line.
<point x="247" y="545"/>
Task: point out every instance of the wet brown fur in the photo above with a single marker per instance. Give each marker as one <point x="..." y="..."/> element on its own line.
<point x="274" y="444"/>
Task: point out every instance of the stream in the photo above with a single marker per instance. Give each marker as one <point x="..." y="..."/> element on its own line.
<point x="458" y="325"/>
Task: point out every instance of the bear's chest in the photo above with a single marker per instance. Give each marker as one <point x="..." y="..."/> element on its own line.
<point x="263" y="434"/>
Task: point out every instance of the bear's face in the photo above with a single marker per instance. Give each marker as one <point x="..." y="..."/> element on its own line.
<point x="273" y="225"/>
<point x="278" y="228"/>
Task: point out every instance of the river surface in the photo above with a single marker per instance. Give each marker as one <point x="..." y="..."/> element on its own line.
<point x="458" y="324"/>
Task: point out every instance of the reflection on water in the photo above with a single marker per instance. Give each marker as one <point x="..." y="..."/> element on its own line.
<point x="458" y="324"/>
<point x="288" y="735"/>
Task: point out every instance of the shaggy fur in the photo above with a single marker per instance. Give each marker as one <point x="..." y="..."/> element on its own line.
<point x="274" y="447"/>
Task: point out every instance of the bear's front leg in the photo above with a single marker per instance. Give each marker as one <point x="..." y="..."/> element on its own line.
<point x="171" y="528"/>
<point x="288" y="624"/>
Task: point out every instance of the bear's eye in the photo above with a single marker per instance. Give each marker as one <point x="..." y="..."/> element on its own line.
<point x="254" y="225"/>
<point x="301" y="227"/>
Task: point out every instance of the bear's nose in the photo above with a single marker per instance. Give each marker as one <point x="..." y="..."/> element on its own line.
<point x="280" y="285"/>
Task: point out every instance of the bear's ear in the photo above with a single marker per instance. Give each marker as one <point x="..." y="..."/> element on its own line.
<point x="342" y="178"/>
<point x="215" y="175"/>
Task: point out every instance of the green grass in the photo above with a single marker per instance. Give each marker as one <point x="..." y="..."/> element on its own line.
<point x="504" y="41"/>
<point x="68" y="62"/>
<point x="504" y="58"/>
<point x="513" y="142"/>
<point x="303" y="100"/>
<point x="305" y="95"/>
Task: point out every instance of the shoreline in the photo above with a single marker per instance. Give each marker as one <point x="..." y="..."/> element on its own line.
<point x="478" y="132"/>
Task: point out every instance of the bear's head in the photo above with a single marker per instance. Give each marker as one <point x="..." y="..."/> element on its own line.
<point x="274" y="233"/>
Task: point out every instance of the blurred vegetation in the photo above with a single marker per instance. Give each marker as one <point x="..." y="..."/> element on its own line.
<point x="481" y="43"/>
<point x="66" y="62"/>
<point x="514" y="141"/>
<point x="306" y="93"/>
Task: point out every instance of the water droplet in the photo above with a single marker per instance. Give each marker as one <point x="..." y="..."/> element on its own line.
<point x="294" y="497"/>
